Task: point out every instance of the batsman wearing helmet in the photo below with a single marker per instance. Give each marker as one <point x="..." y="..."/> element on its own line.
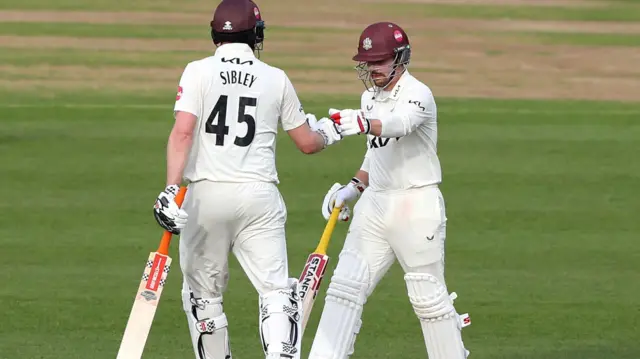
<point x="227" y="113"/>
<point x="400" y="212"/>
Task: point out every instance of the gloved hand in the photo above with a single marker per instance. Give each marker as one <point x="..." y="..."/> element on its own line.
<point x="167" y="212"/>
<point x="340" y="195"/>
<point x="351" y="122"/>
<point x="329" y="131"/>
<point x="312" y="121"/>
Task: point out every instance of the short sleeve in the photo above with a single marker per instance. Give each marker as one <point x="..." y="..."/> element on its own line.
<point x="291" y="113"/>
<point x="189" y="97"/>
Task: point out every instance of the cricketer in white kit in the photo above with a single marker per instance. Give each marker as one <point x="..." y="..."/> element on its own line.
<point x="227" y="112"/>
<point x="400" y="212"/>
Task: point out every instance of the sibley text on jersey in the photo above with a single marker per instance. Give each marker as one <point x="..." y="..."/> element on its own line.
<point x="237" y="77"/>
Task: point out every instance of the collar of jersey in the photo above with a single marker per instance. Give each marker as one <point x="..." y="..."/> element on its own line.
<point x="397" y="89"/>
<point x="394" y="94"/>
<point x="234" y="49"/>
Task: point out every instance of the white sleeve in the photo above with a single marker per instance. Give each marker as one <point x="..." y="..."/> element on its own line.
<point x="410" y="114"/>
<point x="189" y="97"/>
<point x="365" y="162"/>
<point x="291" y="112"/>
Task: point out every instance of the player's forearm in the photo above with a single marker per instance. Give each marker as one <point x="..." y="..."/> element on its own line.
<point x="319" y="142"/>
<point x="363" y="176"/>
<point x="178" y="148"/>
<point x="376" y="127"/>
<point x="396" y="126"/>
<point x="316" y="143"/>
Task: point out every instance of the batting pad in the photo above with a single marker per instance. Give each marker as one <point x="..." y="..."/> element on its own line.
<point x="207" y="326"/>
<point x="340" y="321"/>
<point x="440" y="323"/>
<point x="280" y="322"/>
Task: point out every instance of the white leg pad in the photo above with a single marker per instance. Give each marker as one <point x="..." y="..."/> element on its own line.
<point x="341" y="317"/>
<point x="191" y="319"/>
<point x="356" y="331"/>
<point x="208" y="326"/>
<point x="440" y="323"/>
<point x="281" y="322"/>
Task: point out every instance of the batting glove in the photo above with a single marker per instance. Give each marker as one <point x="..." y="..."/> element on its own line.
<point x="167" y="212"/>
<point x="351" y="122"/>
<point x="339" y="195"/>
<point x="328" y="130"/>
<point x="312" y="121"/>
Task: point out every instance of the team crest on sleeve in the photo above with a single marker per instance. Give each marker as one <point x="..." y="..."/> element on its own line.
<point x="179" y="94"/>
<point x="366" y="44"/>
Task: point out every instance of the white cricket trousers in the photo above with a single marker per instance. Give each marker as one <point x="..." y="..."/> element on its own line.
<point x="408" y="225"/>
<point x="247" y="219"/>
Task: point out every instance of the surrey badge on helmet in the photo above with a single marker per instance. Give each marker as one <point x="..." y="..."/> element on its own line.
<point x="366" y="44"/>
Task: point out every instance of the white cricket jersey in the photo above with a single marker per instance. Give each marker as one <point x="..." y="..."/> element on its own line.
<point x="405" y="155"/>
<point x="239" y="101"/>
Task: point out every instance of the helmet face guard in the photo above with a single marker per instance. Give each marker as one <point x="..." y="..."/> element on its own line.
<point x="401" y="57"/>
<point x="259" y="30"/>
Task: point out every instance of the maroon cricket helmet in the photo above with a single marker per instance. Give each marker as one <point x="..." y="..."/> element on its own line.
<point x="380" y="41"/>
<point x="237" y="17"/>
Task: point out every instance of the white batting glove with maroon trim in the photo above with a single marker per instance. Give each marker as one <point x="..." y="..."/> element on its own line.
<point x="351" y="122"/>
<point x="339" y="195"/>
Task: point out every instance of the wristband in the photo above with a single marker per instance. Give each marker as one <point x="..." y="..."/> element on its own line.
<point x="359" y="185"/>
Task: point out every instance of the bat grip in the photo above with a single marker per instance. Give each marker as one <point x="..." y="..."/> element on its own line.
<point x="166" y="236"/>
<point x="328" y="230"/>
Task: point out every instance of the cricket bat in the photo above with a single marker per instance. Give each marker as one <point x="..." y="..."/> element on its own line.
<point x="147" y="297"/>
<point x="314" y="269"/>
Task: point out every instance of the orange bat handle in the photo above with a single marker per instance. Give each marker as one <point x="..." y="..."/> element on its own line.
<point x="166" y="236"/>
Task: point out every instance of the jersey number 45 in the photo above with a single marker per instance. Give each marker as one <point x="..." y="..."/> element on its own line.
<point x="221" y="129"/>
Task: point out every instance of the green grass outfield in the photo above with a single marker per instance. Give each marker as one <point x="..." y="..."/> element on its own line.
<point x="540" y="195"/>
<point x="84" y="30"/>
<point x="614" y="11"/>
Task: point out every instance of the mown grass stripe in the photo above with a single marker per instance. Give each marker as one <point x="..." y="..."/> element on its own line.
<point x="103" y="5"/>
<point x="523" y="111"/>
<point x="96" y="58"/>
<point x="147" y="31"/>
<point x="614" y="12"/>
<point x="144" y="59"/>
<point x="562" y="38"/>
<point x="93" y="58"/>
<point x="103" y="30"/>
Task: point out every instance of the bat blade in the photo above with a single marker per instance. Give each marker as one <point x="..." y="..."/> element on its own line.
<point x="144" y="307"/>
<point x="148" y="295"/>
<point x="309" y="283"/>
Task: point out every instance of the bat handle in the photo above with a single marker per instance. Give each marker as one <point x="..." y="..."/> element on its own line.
<point x="328" y="230"/>
<point x="166" y="236"/>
